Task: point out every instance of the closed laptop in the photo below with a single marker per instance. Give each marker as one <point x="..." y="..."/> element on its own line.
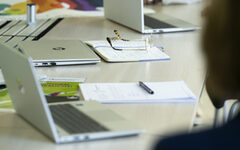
<point x="58" y="52"/>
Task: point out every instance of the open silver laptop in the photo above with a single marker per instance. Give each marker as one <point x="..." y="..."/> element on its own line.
<point x="65" y="121"/>
<point x="130" y="13"/>
<point x="58" y="52"/>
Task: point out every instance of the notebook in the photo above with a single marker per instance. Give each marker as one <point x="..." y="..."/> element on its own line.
<point x="175" y="91"/>
<point x="133" y="17"/>
<point x="63" y="122"/>
<point x="133" y="51"/>
<point x="58" y="52"/>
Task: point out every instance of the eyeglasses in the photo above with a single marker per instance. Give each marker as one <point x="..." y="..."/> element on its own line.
<point x="120" y="44"/>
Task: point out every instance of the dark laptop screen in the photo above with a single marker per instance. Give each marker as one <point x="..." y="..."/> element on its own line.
<point x="155" y="24"/>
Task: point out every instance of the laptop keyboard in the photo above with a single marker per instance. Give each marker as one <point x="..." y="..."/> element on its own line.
<point x="73" y="120"/>
<point x="155" y="24"/>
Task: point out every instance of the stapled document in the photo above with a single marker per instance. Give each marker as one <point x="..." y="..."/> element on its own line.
<point x="132" y="51"/>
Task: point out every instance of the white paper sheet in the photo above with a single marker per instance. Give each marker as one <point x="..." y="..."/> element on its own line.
<point x="133" y="93"/>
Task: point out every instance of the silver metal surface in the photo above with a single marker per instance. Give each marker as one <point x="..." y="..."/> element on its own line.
<point x="31" y="14"/>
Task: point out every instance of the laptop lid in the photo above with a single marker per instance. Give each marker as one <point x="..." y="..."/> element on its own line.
<point x="133" y="16"/>
<point x="125" y="12"/>
<point x="25" y="91"/>
<point x="58" y="52"/>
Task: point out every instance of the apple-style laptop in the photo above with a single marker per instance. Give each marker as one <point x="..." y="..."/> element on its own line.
<point x="130" y="13"/>
<point x="62" y="121"/>
<point x="58" y="52"/>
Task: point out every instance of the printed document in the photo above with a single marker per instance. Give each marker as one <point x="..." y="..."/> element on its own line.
<point x="176" y="91"/>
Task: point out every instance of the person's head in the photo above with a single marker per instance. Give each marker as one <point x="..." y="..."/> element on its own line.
<point x="221" y="46"/>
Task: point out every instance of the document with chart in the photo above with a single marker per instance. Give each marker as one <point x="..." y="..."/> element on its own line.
<point x="175" y="91"/>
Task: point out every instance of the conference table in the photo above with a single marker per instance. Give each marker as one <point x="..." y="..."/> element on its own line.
<point x="158" y="120"/>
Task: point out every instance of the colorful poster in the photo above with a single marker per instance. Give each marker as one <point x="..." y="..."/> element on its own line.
<point x="18" y="7"/>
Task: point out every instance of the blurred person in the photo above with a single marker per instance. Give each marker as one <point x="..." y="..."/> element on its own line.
<point x="221" y="47"/>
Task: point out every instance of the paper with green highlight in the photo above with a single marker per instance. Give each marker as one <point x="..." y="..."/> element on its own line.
<point x="51" y="88"/>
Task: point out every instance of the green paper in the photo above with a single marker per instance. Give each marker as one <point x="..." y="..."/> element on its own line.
<point x="65" y="88"/>
<point x="6" y="105"/>
<point x="4" y="96"/>
<point x="49" y="87"/>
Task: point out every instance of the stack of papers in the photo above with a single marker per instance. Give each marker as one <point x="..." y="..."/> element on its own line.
<point x="137" y="53"/>
<point x="133" y="93"/>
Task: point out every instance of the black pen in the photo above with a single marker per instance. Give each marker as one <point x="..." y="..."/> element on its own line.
<point x="145" y="87"/>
